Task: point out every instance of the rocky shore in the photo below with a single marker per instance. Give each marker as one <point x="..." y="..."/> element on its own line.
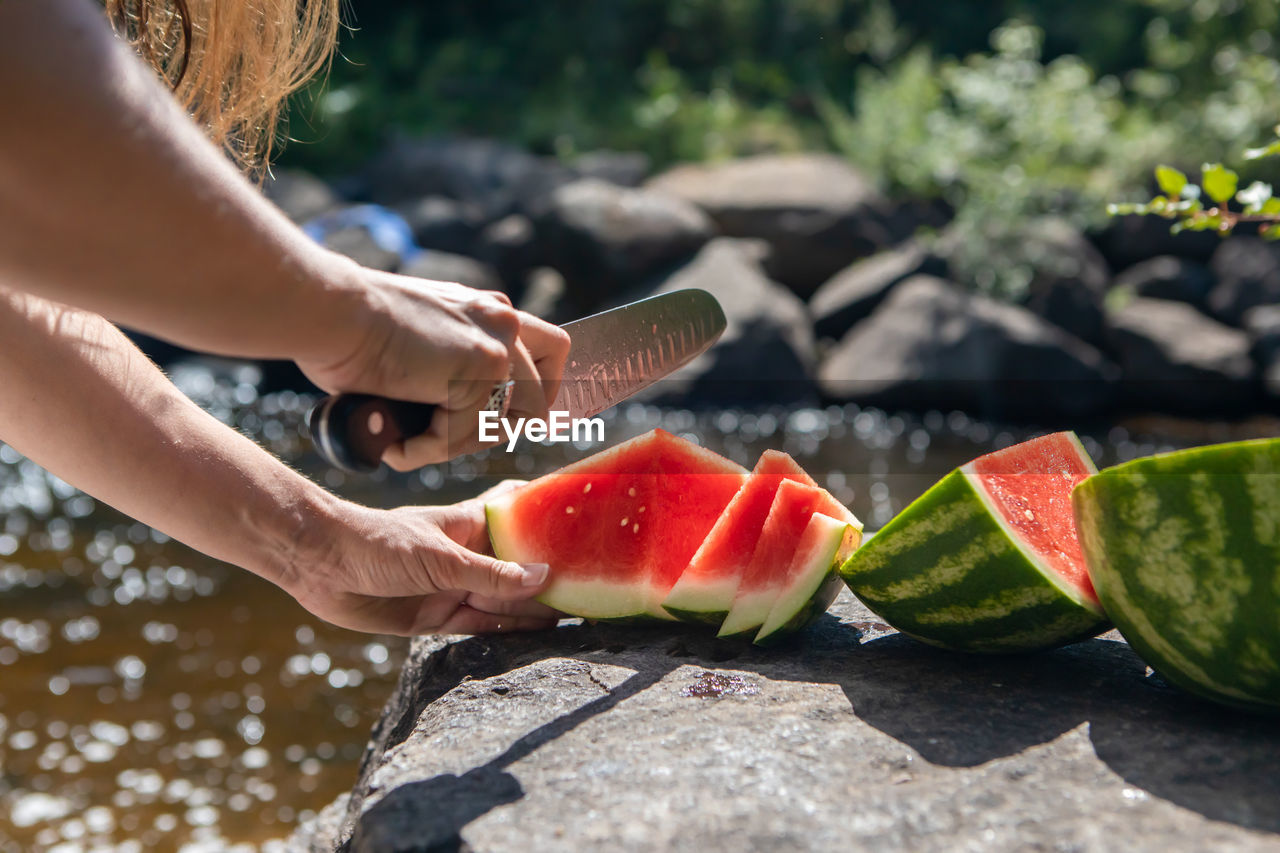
<point x="833" y="291"/>
<point x="851" y="737"/>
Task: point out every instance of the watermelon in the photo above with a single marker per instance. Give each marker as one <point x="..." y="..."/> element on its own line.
<point x="618" y="527"/>
<point x="812" y="583"/>
<point x="704" y="593"/>
<point x="772" y="573"/>
<point x="1184" y="549"/>
<point x="987" y="560"/>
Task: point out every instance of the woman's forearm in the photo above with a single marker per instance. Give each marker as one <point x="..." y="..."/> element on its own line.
<point x="79" y="399"/>
<point x="111" y="199"/>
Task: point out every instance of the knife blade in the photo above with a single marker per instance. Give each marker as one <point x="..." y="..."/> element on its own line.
<point x="612" y="355"/>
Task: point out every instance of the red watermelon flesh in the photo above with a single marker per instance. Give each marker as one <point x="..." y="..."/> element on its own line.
<point x="619" y="527"/>
<point x="767" y="574"/>
<point x="1030" y="486"/>
<point x="705" y="592"/>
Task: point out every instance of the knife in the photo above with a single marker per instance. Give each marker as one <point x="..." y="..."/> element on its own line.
<point x="613" y="355"/>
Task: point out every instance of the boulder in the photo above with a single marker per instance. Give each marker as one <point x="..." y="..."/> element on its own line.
<point x="1247" y="272"/>
<point x="446" y="266"/>
<point x="816" y="212"/>
<point x="624" y="168"/>
<point x="931" y="345"/>
<point x="1069" y="278"/>
<point x="854" y="292"/>
<point x="1263" y="327"/>
<point x="1174" y="358"/>
<point x="1129" y="240"/>
<point x="766" y="354"/>
<point x="357" y="243"/>
<point x="495" y="177"/>
<point x="605" y="238"/>
<point x="300" y="195"/>
<point x="1167" y="277"/>
<point x="849" y="737"/>
<point x="443" y="223"/>
<point x="510" y="245"/>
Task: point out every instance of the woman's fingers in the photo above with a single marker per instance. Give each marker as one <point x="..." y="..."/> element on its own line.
<point x="548" y="346"/>
<point x="501" y="607"/>
<point x="468" y="620"/>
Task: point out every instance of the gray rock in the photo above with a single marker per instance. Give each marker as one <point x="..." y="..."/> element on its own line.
<point x="815" y="211"/>
<point x="1129" y="240"/>
<point x="543" y="296"/>
<point x="854" y="292"/>
<point x="849" y="737"/>
<point x="1167" y="277"/>
<point x="604" y="238"/>
<point x="1175" y="358"/>
<point x="624" y="168"/>
<point x="1070" y="278"/>
<point x="358" y="244"/>
<point x="766" y="354"/>
<point x="510" y="246"/>
<point x="445" y="266"/>
<point x="1247" y="271"/>
<point x="495" y="177"/>
<point x="301" y="195"/>
<point x="932" y="346"/>
<point x="443" y="224"/>
<point x="1263" y="327"/>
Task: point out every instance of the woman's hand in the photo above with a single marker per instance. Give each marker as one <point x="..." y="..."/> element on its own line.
<point x="417" y="570"/>
<point x="442" y="343"/>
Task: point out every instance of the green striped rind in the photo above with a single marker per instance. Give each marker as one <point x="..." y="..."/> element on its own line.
<point x="601" y="599"/>
<point x="947" y="571"/>
<point x="1184" y="551"/>
<point x="815" y="586"/>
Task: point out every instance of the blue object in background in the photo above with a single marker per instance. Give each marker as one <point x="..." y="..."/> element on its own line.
<point x="388" y="229"/>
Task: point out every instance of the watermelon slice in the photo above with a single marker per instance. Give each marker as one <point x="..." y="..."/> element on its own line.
<point x="704" y="593"/>
<point x="988" y="559"/>
<point x="1185" y="550"/>
<point x="771" y="574"/>
<point x="619" y="527"/>
<point x="812" y="582"/>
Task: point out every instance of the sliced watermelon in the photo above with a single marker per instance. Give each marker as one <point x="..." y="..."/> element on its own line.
<point x="812" y="583"/>
<point x="1185" y="551"/>
<point x="619" y="527"/>
<point x="704" y="593"/>
<point x="769" y="574"/>
<point x="988" y="559"/>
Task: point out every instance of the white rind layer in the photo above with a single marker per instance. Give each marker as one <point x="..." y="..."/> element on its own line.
<point x="749" y="611"/>
<point x="825" y="542"/>
<point x="703" y="595"/>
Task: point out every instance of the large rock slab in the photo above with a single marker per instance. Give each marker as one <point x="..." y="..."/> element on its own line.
<point x="1167" y="277"/>
<point x="1176" y="359"/>
<point x="816" y="212"/>
<point x="849" y="737"/>
<point x="604" y="238"/>
<point x="931" y="345"/>
<point x="1070" y="278"/>
<point x="766" y="354"/>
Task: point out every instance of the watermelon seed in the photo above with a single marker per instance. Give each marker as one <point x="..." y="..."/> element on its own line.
<point x="624" y="522"/>
<point x="568" y="510"/>
<point x="631" y="492"/>
<point x="586" y="488"/>
<point x="1031" y="516"/>
<point x="635" y="528"/>
<point x="641" y="509"/>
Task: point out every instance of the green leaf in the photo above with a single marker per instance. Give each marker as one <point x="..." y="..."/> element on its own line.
<point x="1271" y="207"/>
<point x="1171" y="181"/>
<point x="1271" y="232"/>
<point x="1219" y="182"/>
<point x="1254" y="196"/>
<point x="1265" y="151"/>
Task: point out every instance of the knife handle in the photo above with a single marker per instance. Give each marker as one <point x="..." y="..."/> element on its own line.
<point x="351" y="431"/>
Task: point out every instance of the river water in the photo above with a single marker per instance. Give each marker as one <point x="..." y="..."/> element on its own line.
<point x="153" y="698"/>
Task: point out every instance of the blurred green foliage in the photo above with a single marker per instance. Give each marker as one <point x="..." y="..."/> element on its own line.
<point x="1007" y="109"/>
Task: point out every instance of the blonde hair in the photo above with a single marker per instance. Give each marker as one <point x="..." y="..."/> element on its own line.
<point x="232" y="63"/>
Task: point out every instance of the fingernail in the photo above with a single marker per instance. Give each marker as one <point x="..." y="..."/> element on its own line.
<point x="534" y="573"/>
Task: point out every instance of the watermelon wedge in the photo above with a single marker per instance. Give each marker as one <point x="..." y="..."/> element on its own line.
<point x="704" y="593"/>
<point x="770" y="576"/>
<point x="812" y="583"/>
<point x="988" y="559"/>
<point x="1185" y="550"/>
<point x="618" y="527"/>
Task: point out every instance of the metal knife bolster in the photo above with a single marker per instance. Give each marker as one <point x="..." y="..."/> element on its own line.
<point x="613" y="355"/>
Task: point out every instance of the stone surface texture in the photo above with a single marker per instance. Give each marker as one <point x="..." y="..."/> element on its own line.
<point x="848" y="737"/>
<point x="851" y="294"/>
